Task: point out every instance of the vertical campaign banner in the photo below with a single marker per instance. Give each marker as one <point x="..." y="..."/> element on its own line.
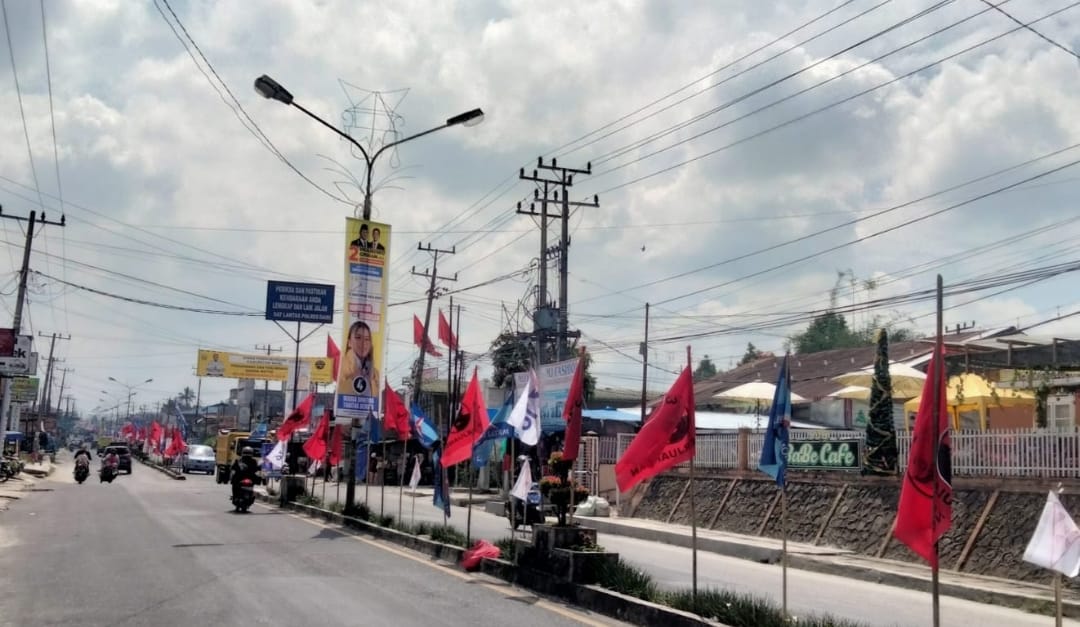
<point x="367" y="286"/>
<point x="554" y="380"/>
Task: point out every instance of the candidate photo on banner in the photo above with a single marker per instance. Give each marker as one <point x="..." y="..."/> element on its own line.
<point x="367" y="248"/>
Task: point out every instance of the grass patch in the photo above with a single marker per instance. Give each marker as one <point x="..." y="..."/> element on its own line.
<point x="337" y="507"/>
<point x="311" y="500"/>
<point x="384" y="521"/>
<point x="448" y="535"/>
<point x="629" y="580"/>
<point x="506" y="547"/>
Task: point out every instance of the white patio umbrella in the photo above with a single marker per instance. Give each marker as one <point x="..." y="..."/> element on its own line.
<point x="907" y="382"/>
<point x="856" y="392"/>
<point x="755" y="392"/>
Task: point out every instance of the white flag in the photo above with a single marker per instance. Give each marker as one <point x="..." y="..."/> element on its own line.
<point x="1056" y="541"/>
<point x="524" y="483"/>
<point x="276" y="457"/>
<point x="415" y="480"/>
<point x="525" y="417"/>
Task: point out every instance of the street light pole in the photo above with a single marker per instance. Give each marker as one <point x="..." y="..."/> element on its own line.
<point x="271" y="89"/>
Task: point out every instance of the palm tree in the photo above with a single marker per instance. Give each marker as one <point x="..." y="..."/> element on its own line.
<point x="186" y="397"/>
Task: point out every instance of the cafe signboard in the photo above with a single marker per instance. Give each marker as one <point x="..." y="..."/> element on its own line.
<point x="825" y="455"/>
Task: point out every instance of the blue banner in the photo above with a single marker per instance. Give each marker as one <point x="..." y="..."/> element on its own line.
<point x="299" y="302"/>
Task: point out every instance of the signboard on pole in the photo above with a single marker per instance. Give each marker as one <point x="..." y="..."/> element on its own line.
<point x="299" y="302"/>
<point x="554" y="380"/>
<point x="261" y="367"/>
<point x="15" y="355"/>
<point x="367" y="285"/>
<point x="24" y="389"/>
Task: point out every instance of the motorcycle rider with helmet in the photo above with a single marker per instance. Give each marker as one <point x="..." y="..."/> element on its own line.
<point x="244" y="468"/>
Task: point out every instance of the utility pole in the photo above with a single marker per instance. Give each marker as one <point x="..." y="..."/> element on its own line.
<point x="266" y="387"/>
<point x="546" y="317"/>
<point x="16" y="324"/>
<point x="645" y="365"/>
<point x="434" y="276"/>
<point x="46" y="394"/>
<point x="63" y="380"/>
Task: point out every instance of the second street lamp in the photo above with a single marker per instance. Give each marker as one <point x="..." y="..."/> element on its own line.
<point x="272" y="90"/>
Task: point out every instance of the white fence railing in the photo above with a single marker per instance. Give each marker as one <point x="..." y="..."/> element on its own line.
<point x="1013" y="453"/>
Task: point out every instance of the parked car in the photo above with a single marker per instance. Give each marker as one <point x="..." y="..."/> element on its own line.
<point x="198" y="457"/>
<point x="124" y="453"/>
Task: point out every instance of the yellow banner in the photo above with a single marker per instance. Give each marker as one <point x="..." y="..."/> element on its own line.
<point x="367" y="286"/>
<point x="261" y="367"/>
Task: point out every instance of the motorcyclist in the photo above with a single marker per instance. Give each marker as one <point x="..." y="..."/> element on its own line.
<point x="111" y="460"/>
<point x="82" y="453"/>
<point x="244" y="468"/>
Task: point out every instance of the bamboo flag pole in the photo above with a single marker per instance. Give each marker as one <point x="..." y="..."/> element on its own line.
<point x="510" y="500"/>
<point x="939" y="366"/>
<point x="382" y="482"/>
<point x="783" y="549"/>
<point x="693" y="505"/>
<point x="403" y="467"/>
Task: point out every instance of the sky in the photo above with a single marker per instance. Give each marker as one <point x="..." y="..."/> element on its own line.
<point x="747" y="157"/>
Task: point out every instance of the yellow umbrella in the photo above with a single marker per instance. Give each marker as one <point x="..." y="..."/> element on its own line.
<point x="906" y="381"/>
<point x="970" y="392"/>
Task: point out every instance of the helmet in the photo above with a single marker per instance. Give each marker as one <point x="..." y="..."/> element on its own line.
<point x="247" y="451"/>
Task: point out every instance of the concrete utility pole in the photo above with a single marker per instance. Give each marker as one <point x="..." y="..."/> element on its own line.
<point x="434" y="276"/>
<point x="547" y="319"/>
<point x="16" y="324"/>
<point x="266" y="387"/>
<point x="46" y="394"/>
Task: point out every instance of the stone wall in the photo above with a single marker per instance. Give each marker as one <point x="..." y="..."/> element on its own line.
<point x="863" y="518"/>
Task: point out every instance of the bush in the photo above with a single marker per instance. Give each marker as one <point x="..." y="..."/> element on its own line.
<point x="384" y="521"/>
<point x="337" y="507"/>
<point x="629" y="580"/>
<point x="310" y="499"/>
<point x="361" y="511"/>
<point x="506" y="546"/>
<point x="448" y="535"/>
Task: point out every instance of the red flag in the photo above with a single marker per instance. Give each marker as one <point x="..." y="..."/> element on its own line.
<point x="176" y="444"/>
<point x="396" y="416"/>
<point x="446" y="336"/>
<point x="315" y="447"/>
<point x="420" y="338"/>
<point x="575" y="401"/>
<point x="156" y="432"/>
<point x="336" y="445"/>
<point x="333" y="352"/>
<point x="925" y="510"/>
<point x="298" y="419"/>
<point x="470" y="424"/>
<point x="667" y="439"/>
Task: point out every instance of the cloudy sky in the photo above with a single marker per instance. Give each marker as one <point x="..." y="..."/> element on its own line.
<point x="744" y="154"/>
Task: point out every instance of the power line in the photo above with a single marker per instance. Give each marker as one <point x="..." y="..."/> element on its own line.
<point x="22" y="110"/>
<point x="997" y="7"/>
<point x="56" y="152"/>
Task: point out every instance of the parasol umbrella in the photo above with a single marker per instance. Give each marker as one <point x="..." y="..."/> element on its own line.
<point x="907" y="382"/>
<point x="755" y="392"/>
<point x="855" y="392"/>
<point x="969" y="392"/>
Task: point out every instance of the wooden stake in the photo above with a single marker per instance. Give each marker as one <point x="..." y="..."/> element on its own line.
<point x="693" y="507"/>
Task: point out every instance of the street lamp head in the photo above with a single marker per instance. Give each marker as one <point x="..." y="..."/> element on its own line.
<point x="269" y="88"/>
<point x="148" y="381"/>
<point x="469" y="118"/>
<point x="113" y="379"/>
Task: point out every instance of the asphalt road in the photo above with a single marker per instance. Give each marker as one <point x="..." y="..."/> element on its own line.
<point x="808" y="592"/>
<point x="148" y="550"/>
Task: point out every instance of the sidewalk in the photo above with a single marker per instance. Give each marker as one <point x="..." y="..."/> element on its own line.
<point x="489" y="524"/>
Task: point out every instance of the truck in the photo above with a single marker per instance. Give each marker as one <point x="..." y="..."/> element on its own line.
<point x="228" y="447"/>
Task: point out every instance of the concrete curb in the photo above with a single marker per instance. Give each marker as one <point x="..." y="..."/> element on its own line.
<point x="592" y="598"/>
<point x="171" y="473"/>
<point x="760" y="554"/>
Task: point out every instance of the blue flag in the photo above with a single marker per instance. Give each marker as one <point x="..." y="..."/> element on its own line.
<point x="374" y="430"/>
<point x="422" y="428"/>
<point x="441" y="498"/>
<point x="774" y="454"/>
<point x="181" y="421"/>
<point x="362" y="460"/>
<point x="499" y="429"/>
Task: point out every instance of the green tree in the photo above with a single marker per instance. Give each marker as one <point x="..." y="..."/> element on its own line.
<point x="826" y="332"/>
<point x="752" y="353"/>
<point x="881" y="452"/>
<point x="705" y="370"/>
<point x="510" y="353"/>
<point x="186" y="397"/>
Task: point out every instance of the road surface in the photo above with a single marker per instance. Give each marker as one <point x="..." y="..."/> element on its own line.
<point x="148" y="550"/>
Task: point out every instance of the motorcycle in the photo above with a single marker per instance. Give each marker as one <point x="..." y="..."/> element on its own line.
<point x="243" y="495"/>
<point x="82" y="470"/>
<point x="526" y="512"/>
<point x="108" y="472"/>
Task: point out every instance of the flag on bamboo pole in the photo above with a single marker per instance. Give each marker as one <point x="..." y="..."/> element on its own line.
<point x="441" y="498"/>
<point x="334" y="353"/>
<point x="422" y="428"/>
<point x="575" y="402"/>
<point x="297" y="419"/>
<point x="667" y="438"/>
<point x="1056" y="542"/>
<point x="395" y="416"/>
<point x="470" y="424"/>
<point x="774" y="452"/>
<point x="925" y="510"/>
<point x="315" y="447"/>
<point x="420" y="339"/>
<point x="525" y="416"/>
<point x="446" y="335"/>
<point x="415" y="479"/>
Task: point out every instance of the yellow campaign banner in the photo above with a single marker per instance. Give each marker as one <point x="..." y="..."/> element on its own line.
<point x="213" y="363"/>
<point x="367" y="287"/>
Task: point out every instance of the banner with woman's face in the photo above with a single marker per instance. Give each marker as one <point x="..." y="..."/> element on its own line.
<point x="367" y="286"/>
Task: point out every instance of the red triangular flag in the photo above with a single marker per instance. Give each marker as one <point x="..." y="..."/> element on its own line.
<point x="333" y="352"/>
<point x="336" y="445"/>
<point x="315" y="447"/>
<point x="396" y="416"/>
<point x="470" y="424"/>
<point x="575" y="402"/>
<point x="446" y="335"/>
<point x="298" y="419"/>
<point x="925" y="510"/>
<point x="421" y="340"/>
<point x="667" y="439"/>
